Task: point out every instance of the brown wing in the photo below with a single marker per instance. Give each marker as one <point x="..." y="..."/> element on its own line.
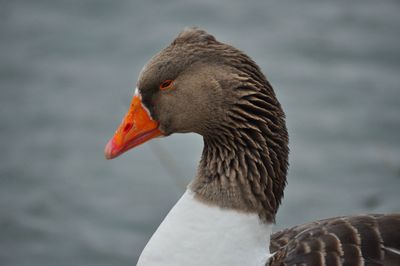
<point x="352" y="240"/>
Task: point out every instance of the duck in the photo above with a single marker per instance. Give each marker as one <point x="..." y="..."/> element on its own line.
<point x="198" y="84"/>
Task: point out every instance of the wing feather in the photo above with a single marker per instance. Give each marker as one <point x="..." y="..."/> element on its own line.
<point x="349" y="240"/>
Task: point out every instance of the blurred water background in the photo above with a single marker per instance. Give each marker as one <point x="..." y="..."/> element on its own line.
<point x="68" y="69"/>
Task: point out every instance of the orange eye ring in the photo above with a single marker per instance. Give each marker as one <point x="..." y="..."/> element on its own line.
<point x="166" y="84"/>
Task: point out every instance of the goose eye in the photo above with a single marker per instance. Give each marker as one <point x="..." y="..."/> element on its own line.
<point x="166" y="85"/>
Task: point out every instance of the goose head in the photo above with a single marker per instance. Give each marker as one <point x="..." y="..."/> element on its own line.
<point x="198" y="84"/>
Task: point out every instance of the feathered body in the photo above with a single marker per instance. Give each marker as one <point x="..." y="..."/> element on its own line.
<point x="198" y="84"/>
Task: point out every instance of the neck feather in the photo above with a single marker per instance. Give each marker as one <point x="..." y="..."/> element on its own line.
<point x="244" y="161"/>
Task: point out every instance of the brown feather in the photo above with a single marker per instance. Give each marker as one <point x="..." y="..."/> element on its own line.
<point x="352" y="240"/>
<point x="245" y="157"/>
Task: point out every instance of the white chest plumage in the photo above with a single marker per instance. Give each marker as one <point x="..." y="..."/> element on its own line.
<point x="194" y="233"/>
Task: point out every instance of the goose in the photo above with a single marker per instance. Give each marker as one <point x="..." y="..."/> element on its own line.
<point x="225" y="217"/>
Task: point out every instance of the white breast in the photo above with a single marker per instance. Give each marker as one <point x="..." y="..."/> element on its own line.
<point x="194" y="233"/>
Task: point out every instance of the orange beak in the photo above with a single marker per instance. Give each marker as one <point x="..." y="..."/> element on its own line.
<point x="136" y="128"/>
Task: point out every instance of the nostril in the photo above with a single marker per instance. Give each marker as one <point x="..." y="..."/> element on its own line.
<point x="127" y="127"/>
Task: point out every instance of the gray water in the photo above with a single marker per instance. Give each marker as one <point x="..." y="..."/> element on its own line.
<point x="68" y="69"/>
